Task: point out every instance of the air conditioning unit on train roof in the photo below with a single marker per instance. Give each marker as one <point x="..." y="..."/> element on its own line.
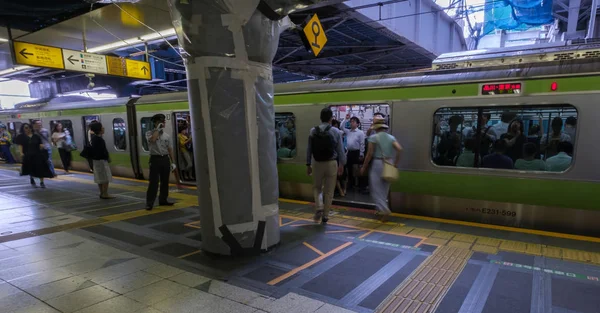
<point x="539" y="53"/>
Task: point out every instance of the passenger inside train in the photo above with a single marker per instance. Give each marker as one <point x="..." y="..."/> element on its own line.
<point x="533" y="138"/>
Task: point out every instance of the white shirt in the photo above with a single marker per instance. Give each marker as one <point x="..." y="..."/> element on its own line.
<point x="355" y="140"/>
<point x="500" y="129"/>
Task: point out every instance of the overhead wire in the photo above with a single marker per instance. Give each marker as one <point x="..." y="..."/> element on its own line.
<point x="133" y="47"/>
<point x="152" y="29"/>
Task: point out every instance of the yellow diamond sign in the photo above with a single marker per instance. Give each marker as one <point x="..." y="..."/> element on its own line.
<point x="315" y="34"/>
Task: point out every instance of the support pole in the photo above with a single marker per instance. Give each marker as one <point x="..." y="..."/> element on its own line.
<point x="230" y="46"/>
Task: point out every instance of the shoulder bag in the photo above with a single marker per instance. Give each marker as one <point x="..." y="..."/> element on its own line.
<point x="390" y="172"/>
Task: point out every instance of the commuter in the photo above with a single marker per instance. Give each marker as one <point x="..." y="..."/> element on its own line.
<point x="185" y="161"/>
<point x="325" y="147"/>
<point x="529" y="162"/>
<point x="498" y="159"/>
<point x="161" y="154"/>
<point x="467" y="157"/>
<point x="34" y="155"/>
<point x="356" y="153"/>
<point x="549" y="144"/>
<point x="60" y="139"/>
<point x="515" y="140"/>
<point x="571" y="128"/>
<point x="382" y="147"/>
<point x="5" y="142"/>
<point x="285" y="151"/>
<point x="342" y="180"/>
<point x="45" y="136"/>
<point x="502" y="127"/>
<point x="562" y="160"/>
<point x="451" y="140"/>
<point x="100" y="157"/>
<point x="90" y="133"/>
<point x="487" y="137"/>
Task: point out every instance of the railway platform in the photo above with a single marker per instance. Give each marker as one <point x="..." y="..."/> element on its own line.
<point x="62" y="249"/>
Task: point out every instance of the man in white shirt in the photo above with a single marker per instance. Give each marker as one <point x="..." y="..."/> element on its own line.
<point x="355" y="144"/>
<point x="502" y="127"/>
<point x="562" y="161"/>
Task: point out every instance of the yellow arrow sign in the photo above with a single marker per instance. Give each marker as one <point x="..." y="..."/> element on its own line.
<point x="315" y="34"/>
<point x="38" y="55"/>
<point x="53" y="57"/>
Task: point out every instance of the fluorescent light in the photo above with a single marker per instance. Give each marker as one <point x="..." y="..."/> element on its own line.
<point x="3" y="40"/>
<point x="133" y="41"/>
<point x="13" y="70"/>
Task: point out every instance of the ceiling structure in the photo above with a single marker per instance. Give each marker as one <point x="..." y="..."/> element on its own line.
<point x="356" y="45"/>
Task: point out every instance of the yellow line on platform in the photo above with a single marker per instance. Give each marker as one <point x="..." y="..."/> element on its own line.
<point x="344" y="231"/>
<point x="307" y="265"/>
<point x="189" y="254"/>
<point x="313" y="248"/>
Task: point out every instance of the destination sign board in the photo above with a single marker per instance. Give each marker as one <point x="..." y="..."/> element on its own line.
<point x="72" y="60"/>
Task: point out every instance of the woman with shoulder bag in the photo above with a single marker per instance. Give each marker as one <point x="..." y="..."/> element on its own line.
<point x="382" y="172"/>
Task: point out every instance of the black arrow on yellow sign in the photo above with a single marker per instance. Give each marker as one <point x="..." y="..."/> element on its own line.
<point x="25" y="54"/>
<point x="145" y="70"/>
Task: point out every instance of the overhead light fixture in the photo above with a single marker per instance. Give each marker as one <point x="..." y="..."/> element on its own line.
<point x="3" y="39"/>
<point x="14" y="70"/>
<point x="133" y="41"/>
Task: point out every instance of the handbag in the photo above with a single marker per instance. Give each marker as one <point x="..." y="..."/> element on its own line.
<point x="389" y="172"/>
<point x="86" y="153"/>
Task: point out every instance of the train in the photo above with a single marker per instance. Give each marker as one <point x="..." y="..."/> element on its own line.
<point x="537" y="86"/>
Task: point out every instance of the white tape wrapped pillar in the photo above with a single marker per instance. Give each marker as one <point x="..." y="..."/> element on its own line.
<point x="231" y="46"/>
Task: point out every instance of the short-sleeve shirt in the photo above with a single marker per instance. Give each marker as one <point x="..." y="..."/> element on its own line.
<point x="384" y="145"/>
<point x="161" y="145"/>
<point x="532" y="165"/>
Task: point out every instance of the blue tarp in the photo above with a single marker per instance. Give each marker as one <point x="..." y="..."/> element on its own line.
<point x="516" y="14"/>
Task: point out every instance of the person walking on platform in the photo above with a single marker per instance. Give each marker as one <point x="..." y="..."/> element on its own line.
<point x="99" y="155"/>
<point x="326" y="148"/>
<point x="61" y="138"/>
<point x="161" y="154"/>
<point x="45" y="136"/>
<point x="5" y="141"/>
<point x="34" y="155"/>
<point x="381" y="148"/>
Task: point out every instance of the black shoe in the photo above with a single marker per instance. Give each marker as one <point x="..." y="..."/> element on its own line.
<point x="148" y="208"/>
<point x="166" y="203"/>
<point x="32" y="182"/>
<point x="318" y="216"/>
<point x="42" y="185"/>
<point x="324" y="221"/>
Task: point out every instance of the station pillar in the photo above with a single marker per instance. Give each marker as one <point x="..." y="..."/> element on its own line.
<point x="228" y="47"/>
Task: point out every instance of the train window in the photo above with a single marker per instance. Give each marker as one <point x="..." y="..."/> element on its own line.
<point x="524" y="138"/>
<point x="146" y="125"/>
<point x="66" y="124"/>
<point x="285" y="134"/>
<point x="364" y="112"/>
<point x="87" y="120"/>
<point x="120" y="134"/>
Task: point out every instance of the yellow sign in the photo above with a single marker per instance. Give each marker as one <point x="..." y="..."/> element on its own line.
<point x="128" y="68"/>
<point x="38" y="55"/>
<point x="315" y="34"/>
<point x="138" y="69"/>
<point x="116" y="66"/>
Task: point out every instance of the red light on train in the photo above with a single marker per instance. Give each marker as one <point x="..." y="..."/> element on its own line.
<point x="554" y="86"/>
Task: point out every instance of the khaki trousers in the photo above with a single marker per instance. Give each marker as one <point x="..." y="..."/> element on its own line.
<point x="324" y="179"/>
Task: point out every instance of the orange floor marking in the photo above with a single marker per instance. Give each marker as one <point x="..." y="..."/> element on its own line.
<point x="189" y="254"/>
<point x="307" y="265"/>
<point x="192" y="225"/>
<point x="313" y="248"/>
<point x="365" y="234"/>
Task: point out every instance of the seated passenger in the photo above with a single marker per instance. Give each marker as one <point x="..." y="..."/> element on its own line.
<point x="498" y="159"/>
<point x="529" y="162"/>
<point x="285" y="152"/>
<point x="467" y="157"/>
<point x="562" y="160"/>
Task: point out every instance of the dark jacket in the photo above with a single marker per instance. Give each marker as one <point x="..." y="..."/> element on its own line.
<point x="98" y="149"/>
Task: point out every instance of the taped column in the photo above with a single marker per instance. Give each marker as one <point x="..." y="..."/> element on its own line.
<point x="230" y="45"/>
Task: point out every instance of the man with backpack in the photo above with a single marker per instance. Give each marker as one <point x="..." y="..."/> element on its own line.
<point x="325" y="160"/>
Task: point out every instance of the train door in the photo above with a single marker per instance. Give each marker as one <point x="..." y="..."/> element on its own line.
<point x="352" y="188"/>
<point x="183" y="147"/>
<point x="85" y="122"/>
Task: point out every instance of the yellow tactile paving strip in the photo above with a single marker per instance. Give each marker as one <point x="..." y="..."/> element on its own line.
<point x="464" y="241"/>
<point x="423" y="290"/>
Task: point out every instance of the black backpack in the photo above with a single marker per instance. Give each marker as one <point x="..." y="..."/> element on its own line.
<point x="322" y="144"/>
